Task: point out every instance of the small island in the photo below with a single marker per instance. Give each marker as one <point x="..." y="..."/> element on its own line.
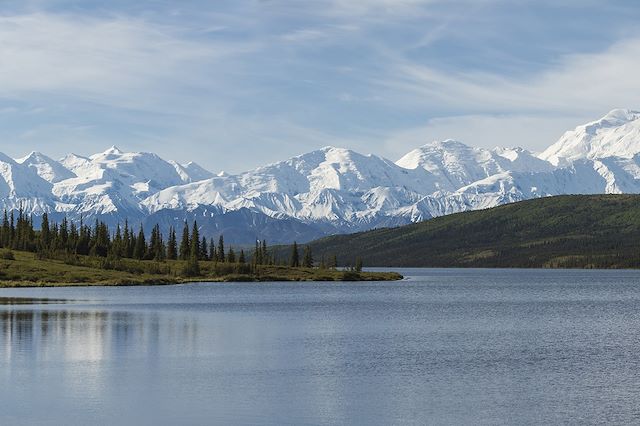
<point x="67" y="254"/>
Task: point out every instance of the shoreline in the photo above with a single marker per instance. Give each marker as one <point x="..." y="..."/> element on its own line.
<point x="27" y="270"/>
<point x="365" y="277"/>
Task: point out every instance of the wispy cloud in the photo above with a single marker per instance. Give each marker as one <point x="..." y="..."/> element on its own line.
<point x="215" y="80"/>
<point x="581" y="82"/>
<point x="120" y="61"/>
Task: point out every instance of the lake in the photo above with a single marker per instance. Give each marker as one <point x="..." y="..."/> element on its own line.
<point x="441" y="347"/>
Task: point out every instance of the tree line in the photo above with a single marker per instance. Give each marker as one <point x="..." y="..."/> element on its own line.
<point x="97" y="240"/>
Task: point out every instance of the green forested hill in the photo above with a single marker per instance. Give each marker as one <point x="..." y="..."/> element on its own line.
<point x="585" y="231"/>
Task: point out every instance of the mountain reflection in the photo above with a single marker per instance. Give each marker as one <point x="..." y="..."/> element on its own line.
<point x="91" y="335"/>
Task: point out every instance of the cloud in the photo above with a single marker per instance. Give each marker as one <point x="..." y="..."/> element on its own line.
<point x="120" y="61"/>
<point x="536" y="132"/>
<point x="277" y="77"/>
<point x="489" y="109"/>
<point x="577" y="83"/>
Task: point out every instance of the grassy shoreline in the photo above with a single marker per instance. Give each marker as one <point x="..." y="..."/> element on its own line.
<point x="26" y="270"/>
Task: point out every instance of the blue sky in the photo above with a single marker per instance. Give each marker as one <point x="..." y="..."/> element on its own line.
<point x="236" y="84"/>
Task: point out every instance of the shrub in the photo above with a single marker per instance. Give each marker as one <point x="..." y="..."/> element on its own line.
<point x="7" y="255"/>
<point x="191" y="268"/>
<point x="350" y="276"/>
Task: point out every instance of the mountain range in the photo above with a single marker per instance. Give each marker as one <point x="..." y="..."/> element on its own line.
<point x="324" y="192"/>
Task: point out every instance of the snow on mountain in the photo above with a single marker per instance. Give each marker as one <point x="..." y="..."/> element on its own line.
<point x="116" y="182"/>
<point x="612" y="175"/>
<point x="191" y="172"/>
<point x="454" y="164"/>
<point x="139" y="167"/>
<point x="327" y="185"/>
<point x="617" y="134"/>
<point x="330" y="190"/>
<point x="326" y="168"/>
<point x="82" y="167"/>
<point x="339" y="169"/>
<point x="217" y="191"/>
<point x="47" y="168"/>
<point x="20" y="186"/>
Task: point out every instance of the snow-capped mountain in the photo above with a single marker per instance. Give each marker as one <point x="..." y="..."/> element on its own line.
<point x="331" y="190"/>
<point x="617" y="134"/>
<point x="21" y="186"/>
<point x="455" y="164"/>
<point x="47" y="168"/>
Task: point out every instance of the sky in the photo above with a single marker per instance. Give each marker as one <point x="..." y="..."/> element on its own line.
<point x="237" y="84"/>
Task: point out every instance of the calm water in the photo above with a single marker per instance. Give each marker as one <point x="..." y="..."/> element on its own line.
<point x="443" y="347"/>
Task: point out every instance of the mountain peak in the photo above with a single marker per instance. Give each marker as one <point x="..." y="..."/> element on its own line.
<point x="334" y="150"/>
<point x="444" y="144"/>
<point x="619" y="116"/>
<point x="617" y="134"/>
<point x="110" y="153"/>
<point x="113" y="150"/>
<point x="32" y="156"/>
<point x="47" y="168"/>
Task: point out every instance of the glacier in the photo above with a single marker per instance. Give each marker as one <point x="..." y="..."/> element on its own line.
<point x="327" y="191"/>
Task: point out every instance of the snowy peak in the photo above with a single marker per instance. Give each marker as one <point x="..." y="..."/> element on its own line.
<point x="191" y="172"/>
<point x="615" y="134"/>
<point x="134" y="168"/>
<point x="619" y="116"/>
<point x="436" y="151"/>
<point x="47" y="168"/>
<point x="326" y="168"/>
<point x="113" y="151"/>
<point x="455" y="164"/>
<point x="330" y="189"/>
<point x="21" y="186"/>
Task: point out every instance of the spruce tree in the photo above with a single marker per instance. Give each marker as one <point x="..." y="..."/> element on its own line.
<point x="127" y="243"/>
<point x="241" y="258"/>
<point x="195" y="240"/>
<point x="6" y="230"/>
<point x="172" y="245"/>
<point x="294" y="261"/>
<point x="194" y="250"/>
<point x="212" y="251"/>
<point x="140" y="248"/>
<point x="307" y="260"/>
<point x="221" y="255"/>
<point x="185" y="244"/>
<point x="64" y="233"/>
<point x="12" y="230"/>
<point x="116" y="245"/>
<point x="156" y="246"/>
<point x="204" y="249"/>
<point x="231" y="256"/>
<point x="45" y="235"/>
<point x="257" y="254"/>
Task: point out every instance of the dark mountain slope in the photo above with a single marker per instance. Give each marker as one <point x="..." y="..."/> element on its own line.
<point x="600" y="231"/>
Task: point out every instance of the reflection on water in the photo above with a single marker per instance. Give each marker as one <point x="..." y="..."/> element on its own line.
<point x="28" y="301"/>
<point x="444" y="347"/>
<point x="90" y="335"/>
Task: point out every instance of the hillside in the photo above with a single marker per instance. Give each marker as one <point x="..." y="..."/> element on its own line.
<point x="585" y="231"/>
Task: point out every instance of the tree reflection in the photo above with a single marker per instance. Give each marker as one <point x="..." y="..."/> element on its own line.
<point x="90" y="335"/>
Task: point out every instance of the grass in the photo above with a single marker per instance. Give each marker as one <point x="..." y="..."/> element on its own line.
<point x="26" y="270"/>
